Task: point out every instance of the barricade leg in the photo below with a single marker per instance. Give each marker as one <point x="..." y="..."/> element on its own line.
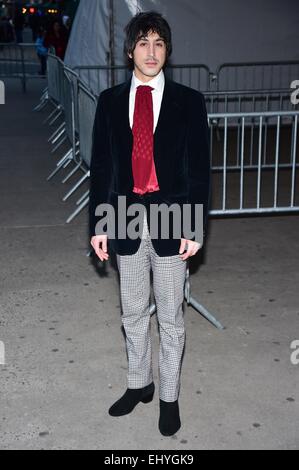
<point x="78" y="210"/>
<point x="56" y="117"/>
<point x="74" y="170"/>
<point x="59" y="144"/>
<point x="77" y="185"/>
<point x="85" y="195"/>
<point x="195" y="304"/>
<point x="66" y="160"/>
<point x="56" y="110"/>
<point x="60" y="128"/>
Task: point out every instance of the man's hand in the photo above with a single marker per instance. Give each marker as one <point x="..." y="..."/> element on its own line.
<point x="192" y="248"/>
<point x="99" y="244"/>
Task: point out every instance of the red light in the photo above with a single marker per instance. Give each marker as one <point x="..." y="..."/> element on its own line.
<point x="32" y="10"/>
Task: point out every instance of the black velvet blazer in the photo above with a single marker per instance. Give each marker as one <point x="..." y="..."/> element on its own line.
<point x="181" y="155"/>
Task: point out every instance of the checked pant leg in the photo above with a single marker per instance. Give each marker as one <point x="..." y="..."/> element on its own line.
<point x="134" y="271"/>
<point x="169" y="274"/>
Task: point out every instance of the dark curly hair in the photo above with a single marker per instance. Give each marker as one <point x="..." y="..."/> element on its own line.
<point x="139" y="26"/>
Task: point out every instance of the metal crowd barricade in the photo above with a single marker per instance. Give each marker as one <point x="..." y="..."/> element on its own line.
<point x="68" y="106"/>
<point x="70" y="82"/>
<point x="87" y="104"/>
<point x="197" y="76"/>
<point x="32" y="64"/>
<point x="55" y="78"/>
<point x="261" y="177"/>
<point x="56" y="94"/>
<point x="12" y="64"/>
<point x="19" y="61"/>
<point x="61" y="95"/>
<point x="259" y="77"/>
<point x="248" y="101"/>
<point x="74" y="79"/>
<point x="255" y="75"/>
<point x="55" y="84"/>
<point x="63" y="86"/>
<point x="98" y="78"/>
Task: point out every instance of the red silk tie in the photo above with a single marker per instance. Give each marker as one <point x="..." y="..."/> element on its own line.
<point x="143" y="166"/>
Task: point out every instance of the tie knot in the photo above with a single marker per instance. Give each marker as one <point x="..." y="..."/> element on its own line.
<point x="144" y="89"/>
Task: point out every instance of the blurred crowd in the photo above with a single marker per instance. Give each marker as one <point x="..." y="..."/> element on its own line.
<point x="47" y="32"/>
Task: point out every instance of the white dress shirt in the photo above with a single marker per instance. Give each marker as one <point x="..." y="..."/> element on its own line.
<point x="158" y="84"/>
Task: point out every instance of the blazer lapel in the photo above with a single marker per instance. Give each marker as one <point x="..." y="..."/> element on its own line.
<point x="121" y="115"/>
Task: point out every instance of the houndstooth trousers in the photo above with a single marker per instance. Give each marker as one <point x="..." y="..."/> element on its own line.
<point x="169" y="273"/>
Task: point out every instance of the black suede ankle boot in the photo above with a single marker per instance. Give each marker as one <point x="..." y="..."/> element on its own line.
<point x="169" y="422"/>
<point x="131" y="398"/>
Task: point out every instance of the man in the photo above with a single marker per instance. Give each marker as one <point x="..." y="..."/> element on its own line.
<point x="150" y="144"/>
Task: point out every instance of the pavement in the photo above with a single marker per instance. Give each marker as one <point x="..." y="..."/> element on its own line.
<point x="65" y="359"/>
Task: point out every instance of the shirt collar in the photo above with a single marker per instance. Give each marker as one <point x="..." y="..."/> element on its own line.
<point x="157" y="82"/>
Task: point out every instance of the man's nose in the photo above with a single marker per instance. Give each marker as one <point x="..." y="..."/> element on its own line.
<point x="152" y="50"/>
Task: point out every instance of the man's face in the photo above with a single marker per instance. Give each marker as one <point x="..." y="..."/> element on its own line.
<point x="149" y="56"/>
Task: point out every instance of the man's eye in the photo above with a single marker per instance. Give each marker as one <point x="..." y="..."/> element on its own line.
<point x="161" y="44"/>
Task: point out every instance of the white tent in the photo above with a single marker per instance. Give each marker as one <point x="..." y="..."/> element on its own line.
<point x="89" y="40"/>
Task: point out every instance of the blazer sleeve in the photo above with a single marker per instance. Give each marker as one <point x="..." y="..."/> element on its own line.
<point x="101" y="164"/>
<point x="199" y="168"/>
